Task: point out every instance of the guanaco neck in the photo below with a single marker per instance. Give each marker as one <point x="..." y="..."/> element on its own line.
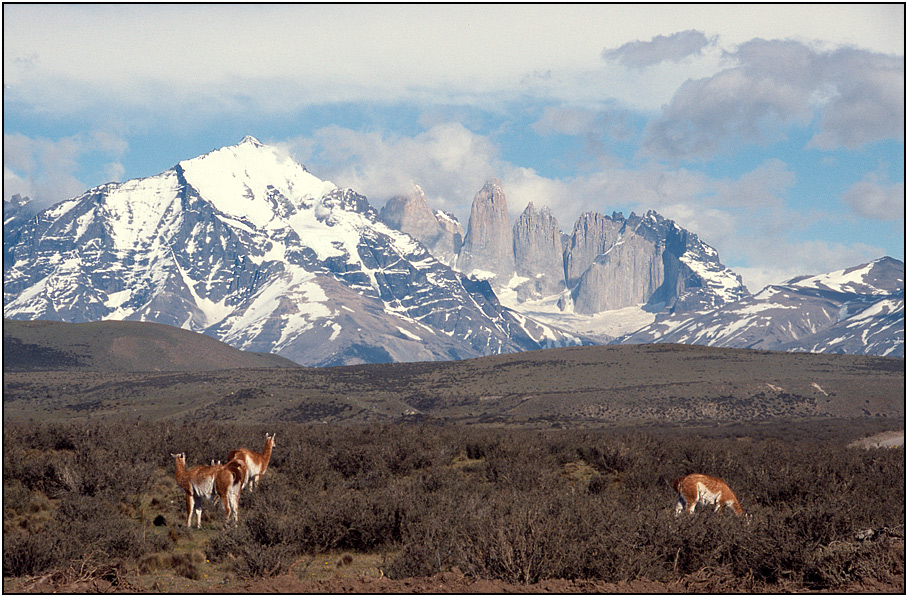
<point x="266" y="453"/>
<point x="181" y="468"/>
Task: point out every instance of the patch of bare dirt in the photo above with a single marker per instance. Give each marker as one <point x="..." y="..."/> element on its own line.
<point x="451" y="582"/>
<point x="448" y="582"/>
<point x="456" y="582"/>
<point x="886" y="439"/>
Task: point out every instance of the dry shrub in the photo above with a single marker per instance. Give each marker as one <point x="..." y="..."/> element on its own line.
<point x="511" y="513"/>
<point x="250" y="557"/>
<point x="33" y="553"/>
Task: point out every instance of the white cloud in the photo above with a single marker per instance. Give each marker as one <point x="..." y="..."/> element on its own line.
<point x="866" y="100"/>
<point x="875" y="198"/>
<point x="47" y="170"/>
<point x="762" y="188"/>
<point x="448" y="161"/>
<point x="569" y="120"/>
<point x="281" y="57"/>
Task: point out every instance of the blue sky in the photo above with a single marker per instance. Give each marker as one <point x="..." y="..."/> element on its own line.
<point x="774" y="132"/>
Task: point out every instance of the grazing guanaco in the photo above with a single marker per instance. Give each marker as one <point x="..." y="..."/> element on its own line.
<point x="256" y="464"/>
<point x="205" y="482"/>
<point x="704" y="490"/>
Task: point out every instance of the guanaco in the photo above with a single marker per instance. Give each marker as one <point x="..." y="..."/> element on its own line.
<point x="704" y="490"/>
<point x="256" y="464"/>
<point x="205" y="482"/>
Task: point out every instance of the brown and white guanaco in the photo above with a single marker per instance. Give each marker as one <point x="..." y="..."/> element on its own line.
<point x="256" y="464"/>
<point x="696" y="489"/>
<point x="206" y="482"/>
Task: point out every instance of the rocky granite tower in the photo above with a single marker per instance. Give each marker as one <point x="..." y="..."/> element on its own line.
<point x="441" y="233"/>
<point x="488" y="248"/>
<point x="538" y="253"/>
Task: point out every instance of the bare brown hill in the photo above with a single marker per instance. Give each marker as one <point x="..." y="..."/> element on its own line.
<point x="120" y="346"/>
<point x="593" y="385"/>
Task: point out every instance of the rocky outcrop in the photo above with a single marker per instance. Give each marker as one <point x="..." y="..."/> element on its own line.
<point x="450" y="238"/>
<point x="616" y="262"/>
<point x="608" y="262"/>
<point x="440" y="232"/>
<point x="627" y="274"/>
<point x="593" y="235"/>
<point x="488" y="249"/>
<point x="538" y="253"/>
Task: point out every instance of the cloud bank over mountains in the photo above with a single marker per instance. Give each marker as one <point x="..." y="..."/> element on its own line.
<point x="774" y="132"/>
<point x="856" y="96"/>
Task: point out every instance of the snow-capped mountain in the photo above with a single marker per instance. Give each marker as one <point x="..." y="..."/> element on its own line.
<point x="858" y="310"/>
<point x="246" y="245"/>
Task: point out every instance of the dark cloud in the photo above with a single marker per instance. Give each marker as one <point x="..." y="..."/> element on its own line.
<point x="671" y="48"/>
<point x="858" y="95"/>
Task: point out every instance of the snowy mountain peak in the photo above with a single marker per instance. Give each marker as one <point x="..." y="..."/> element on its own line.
<point x="879" y="277"/>
<point x="253" y="182"/>
<point x="857" y="310"/>
<point x="251" y="141"/>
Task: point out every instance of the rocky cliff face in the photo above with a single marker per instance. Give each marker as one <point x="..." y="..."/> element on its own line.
<point x="628" y="274"/>
<point x="538" y="253"/>
<point x="593" y="235"/>
<point x="441" y="233"/>
<point x="608" y="263"/>
<point x="645" y="260"/>
<point x="488" y="249"/>
<point x="16" y="212"/>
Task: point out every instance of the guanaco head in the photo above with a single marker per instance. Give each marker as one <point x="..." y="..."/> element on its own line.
<point x="180" y="459"/>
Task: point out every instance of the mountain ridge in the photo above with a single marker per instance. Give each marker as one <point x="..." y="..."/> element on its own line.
<point x="645" y="279"/>
<point x="857" y="310"/>
<point x="248" y="246"/>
